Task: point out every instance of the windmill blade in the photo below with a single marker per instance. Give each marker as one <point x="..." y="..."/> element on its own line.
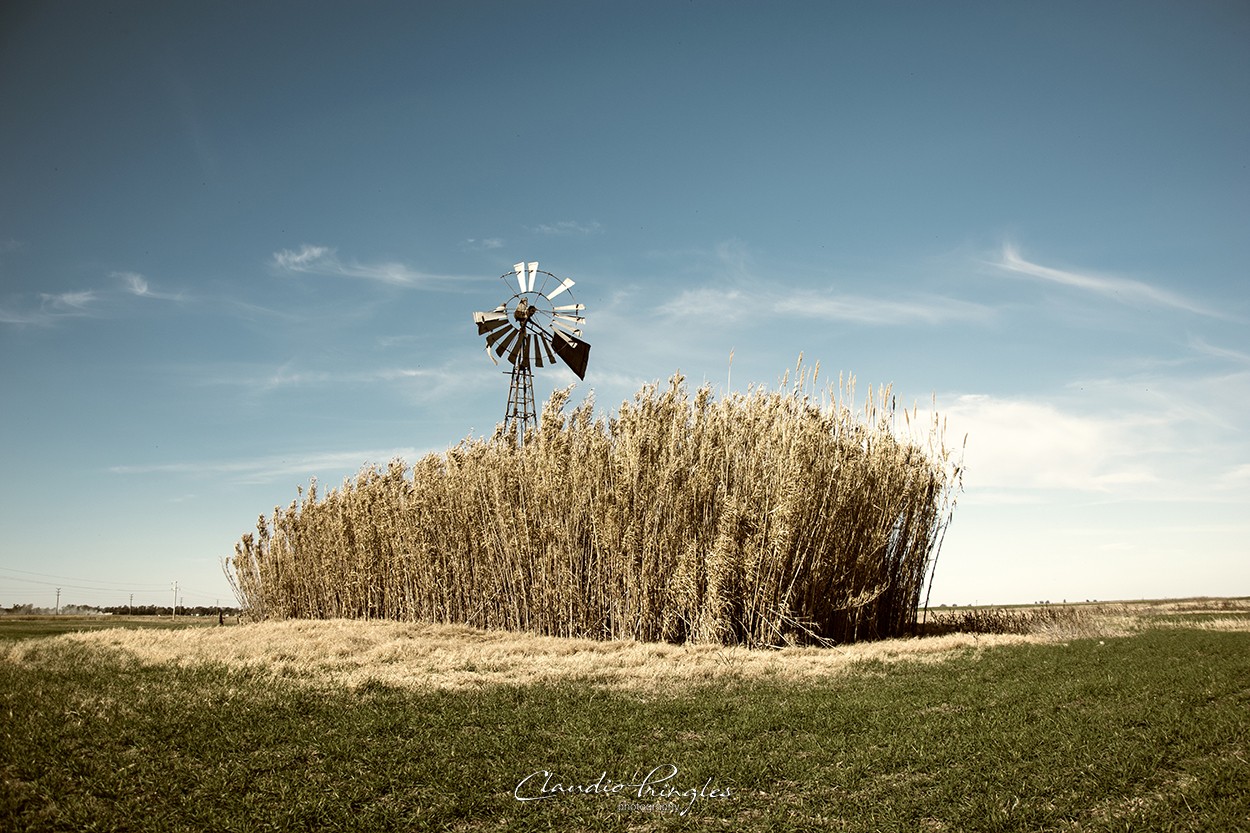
<point x="546" y="343"/>
<point x="565" y="284"/>
<point x="517" y="348"/>
<point x="565" y="327"/>
<point x="503" y="345"/>
<point x="519" y="268"/>
<point x="576" y="319"/>
<point x="533" y="275"/>
<point x="487" y="321"/>
<point x="484" y="328"/>
<point x="572" y="351"/>
<point x="570" y="308"/>
<point x="492" y="355"/>
<point x="495" y="336"/>
<point x="538" y="350"/>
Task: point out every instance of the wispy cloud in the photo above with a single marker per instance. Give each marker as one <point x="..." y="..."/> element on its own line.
<point x="724" y="305"/>
<point x="1021" y="444"/>
<point x="568" y="227"/>
<point x="1203" y="346"/>
<point x="1205" y="408"/>
<point x="727" y="305"/>
<point x="51" y="308"/>
<point x="1157" y="437"/>
<point x="70" y="303"/>
<point x="478" y="244"/>
<point x="137" y="284"/>
<point x="307" y="259"/>
<point x="285" y="376"/>
<point x="255" y="470"/>
<point x="324" y="260"/>
<point x="1237" y="475"/>
<point x="1121" y="289"/>
<point x="859" y="309"/>
<point x="745" y="290"/>
<point x="419" y="384"/>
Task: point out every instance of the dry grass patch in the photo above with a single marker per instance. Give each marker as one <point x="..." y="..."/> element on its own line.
<point x="1211" y="614"/>
<point x="1219" y="623"/>
<point x="1196" y="606"/>
<point x="356" y="653"/>
<point x="1076" y="621"/>
<point x="1057" y="622"/>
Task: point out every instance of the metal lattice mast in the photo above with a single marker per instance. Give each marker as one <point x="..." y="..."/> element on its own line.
<point x="521" y="415"/>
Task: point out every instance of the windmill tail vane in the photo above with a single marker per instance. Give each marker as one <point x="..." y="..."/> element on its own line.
<point x="530" y="329"/>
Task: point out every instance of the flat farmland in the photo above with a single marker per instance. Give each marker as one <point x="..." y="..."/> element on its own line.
<point x="1119" y="717"/>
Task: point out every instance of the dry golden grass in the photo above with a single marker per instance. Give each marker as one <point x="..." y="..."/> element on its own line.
<point x="770" y="518"/>
<point x="1192" y="607"/>
<point x="1217" y="614"/>
<point x="1096" y="619"/>
<point x="354" y="652"/>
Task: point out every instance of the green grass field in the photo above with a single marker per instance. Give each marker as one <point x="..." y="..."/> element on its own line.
<point x="1148" y="732"/>
<point x="15" y="628"/>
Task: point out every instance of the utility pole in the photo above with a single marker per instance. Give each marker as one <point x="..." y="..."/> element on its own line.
<point x="58" y="601"/>
<point x="174" y="614"/>
<point x="130" y="608"/>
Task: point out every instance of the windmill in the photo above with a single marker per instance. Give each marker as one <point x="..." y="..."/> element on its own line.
<point x="530" y="330"/>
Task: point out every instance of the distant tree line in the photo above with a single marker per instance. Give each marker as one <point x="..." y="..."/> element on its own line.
<point x="120" y="610"/>
<point x="157" y="610"/>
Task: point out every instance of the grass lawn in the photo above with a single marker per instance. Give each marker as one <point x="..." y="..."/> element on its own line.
<point x="1145" y="732"/>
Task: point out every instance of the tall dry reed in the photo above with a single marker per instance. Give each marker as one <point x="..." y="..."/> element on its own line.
<point x="765" y="518"/>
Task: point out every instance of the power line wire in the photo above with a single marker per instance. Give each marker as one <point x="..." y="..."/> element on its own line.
<point x="79" y="586"/>
<point x="78" y="578"/>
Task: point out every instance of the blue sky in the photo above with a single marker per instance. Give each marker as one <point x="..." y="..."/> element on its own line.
<point x="240" y="246"/>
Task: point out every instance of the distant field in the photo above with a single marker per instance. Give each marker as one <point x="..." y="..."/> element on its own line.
<point x="1133" y="717"/>
<point x="19" y="627"/>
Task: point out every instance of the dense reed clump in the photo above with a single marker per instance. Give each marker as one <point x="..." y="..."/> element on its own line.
<point x="763" y="518"/>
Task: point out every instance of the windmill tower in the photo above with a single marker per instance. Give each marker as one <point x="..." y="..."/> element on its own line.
<point x="529" y="327"/>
